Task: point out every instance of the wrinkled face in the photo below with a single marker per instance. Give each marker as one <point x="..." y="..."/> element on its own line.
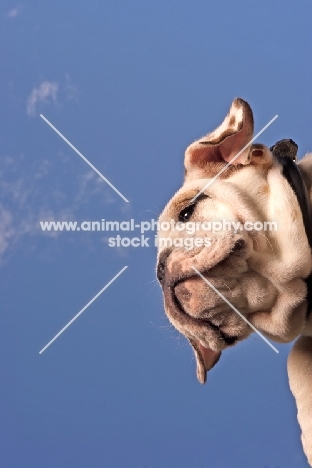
<point x="215" y="237"/>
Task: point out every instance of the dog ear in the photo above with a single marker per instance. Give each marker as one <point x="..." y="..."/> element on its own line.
<point x="206" y="358"/>
<point x="224" y="143"/>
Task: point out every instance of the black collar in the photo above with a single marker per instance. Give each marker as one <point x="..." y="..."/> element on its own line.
<point x="293" y="176"/>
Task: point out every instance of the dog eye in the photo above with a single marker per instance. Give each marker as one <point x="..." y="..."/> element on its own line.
<point x="186" y="213"/>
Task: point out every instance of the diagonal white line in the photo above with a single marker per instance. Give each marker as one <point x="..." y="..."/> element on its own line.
<point x="84" y="158"/>
<point x="233" y="159"/>
<point x="234" y="308"/>
<point x="82" y="310"/>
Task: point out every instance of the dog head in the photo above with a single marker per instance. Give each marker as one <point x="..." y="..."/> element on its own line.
<point x="232" y="249"/>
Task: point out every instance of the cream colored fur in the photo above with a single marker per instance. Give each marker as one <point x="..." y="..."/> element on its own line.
<point x="261" y="273"/>
<point x="300" y="358"/>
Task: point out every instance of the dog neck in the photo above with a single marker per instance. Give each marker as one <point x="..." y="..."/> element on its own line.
<point x="293" y="176"/>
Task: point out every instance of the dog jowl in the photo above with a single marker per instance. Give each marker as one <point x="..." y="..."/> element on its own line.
<point x="260" y="272"/>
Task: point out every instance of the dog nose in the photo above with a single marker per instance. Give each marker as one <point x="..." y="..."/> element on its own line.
<point x="161" y="267"/>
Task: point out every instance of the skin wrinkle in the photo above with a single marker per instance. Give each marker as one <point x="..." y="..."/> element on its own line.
<point x="264" y="280"/>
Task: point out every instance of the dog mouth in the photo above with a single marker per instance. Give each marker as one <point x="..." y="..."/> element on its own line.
<point x="199" y="314"/>
<point x="199" y="326"/>
<point x="205" y="336"/>
<point x="203" y="319"/>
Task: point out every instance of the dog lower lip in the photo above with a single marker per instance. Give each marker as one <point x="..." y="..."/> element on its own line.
<point x="198" y="320"/>
<point x="228" y="340"/>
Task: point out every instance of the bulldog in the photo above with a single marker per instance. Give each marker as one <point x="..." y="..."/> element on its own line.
<point x="234" y="251"/>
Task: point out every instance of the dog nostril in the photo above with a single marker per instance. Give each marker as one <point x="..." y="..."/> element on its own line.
<point x="160" y="271"/>
<point x="239" y="245"/>
<point x="161" y="267"/>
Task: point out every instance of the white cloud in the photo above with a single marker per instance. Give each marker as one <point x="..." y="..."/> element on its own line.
<point x="45" y="92"/>
<point x="14" y="12"/>
<point x="6" y="228"/>
<point x="42" y="169"/>
<point x="92" y="185"/>
<point x="34" y="196"/>
<point x="58" y="93"/>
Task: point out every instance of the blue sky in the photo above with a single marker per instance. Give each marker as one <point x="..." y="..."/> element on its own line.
<point x="130" y="84"/>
